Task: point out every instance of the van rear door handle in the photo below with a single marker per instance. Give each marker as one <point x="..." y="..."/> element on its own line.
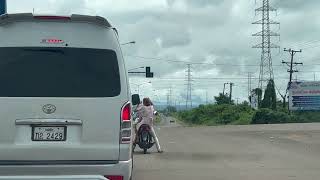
<point x="48" y="122"/>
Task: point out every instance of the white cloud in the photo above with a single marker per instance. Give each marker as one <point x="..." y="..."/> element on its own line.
<point x="209" y="31"/>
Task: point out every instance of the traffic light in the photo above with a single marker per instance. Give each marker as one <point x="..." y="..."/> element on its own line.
<point x="149" y="74"/>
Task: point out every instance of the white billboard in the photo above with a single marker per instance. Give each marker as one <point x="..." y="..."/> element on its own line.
<point x="304" y="96"/>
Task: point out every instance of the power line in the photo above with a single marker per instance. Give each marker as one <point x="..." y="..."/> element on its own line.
<point x="188" y="62"/>
<point x="306" y="43"/>
<point x="213" y="64"/>
<point x="218" y="78"/>
<point x="311" y="47"/>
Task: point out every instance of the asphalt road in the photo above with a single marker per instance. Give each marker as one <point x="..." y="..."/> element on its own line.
<point x="264" y="152"/>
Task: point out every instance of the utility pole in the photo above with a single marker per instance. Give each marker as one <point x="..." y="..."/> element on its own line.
<point x="175" y="104"/>
<point x="266" y="70"/>
<point x="249" y="83"/>
<point x="231" y="85"/>
<point x="291" y="64"/>
<point x="168" y="99"/>
<point x="206" y="97"/>
<point x="291" y="70"/>
<point x="170" y="96"/>
<point x="224" y="88"/>
<point x="189" y="87"/>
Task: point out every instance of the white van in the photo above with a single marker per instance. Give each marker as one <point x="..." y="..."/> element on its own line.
<point x="65" y="110"/>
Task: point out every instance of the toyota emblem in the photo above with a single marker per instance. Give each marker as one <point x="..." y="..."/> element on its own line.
<point x="49" y="108"/>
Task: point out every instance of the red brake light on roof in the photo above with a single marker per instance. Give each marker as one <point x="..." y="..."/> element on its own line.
<point x="53" y="17"/>
<point x="52" y="41"/>
<point x="126" y="112"/>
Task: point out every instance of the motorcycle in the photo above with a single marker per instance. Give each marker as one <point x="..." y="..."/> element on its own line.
<point x="144" y="138"/>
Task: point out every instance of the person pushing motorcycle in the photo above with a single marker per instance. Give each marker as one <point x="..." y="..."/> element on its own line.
<point x="145" y="114"/>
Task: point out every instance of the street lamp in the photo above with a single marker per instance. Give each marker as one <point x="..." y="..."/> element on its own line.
<point x="138" y="85"/>
<point x="131" y="42"/>
<point x="136" y="68"/>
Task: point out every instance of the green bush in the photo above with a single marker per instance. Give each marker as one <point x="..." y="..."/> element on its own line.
<point x="242" y="114"/>
<point x="217" y="114"/>
<point x="267" y="116"/>
<point x="307" y="116"/>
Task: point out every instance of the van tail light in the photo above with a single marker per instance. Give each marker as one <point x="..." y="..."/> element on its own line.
<point x="125" y="132"/>
<point x="53" y="17"/>
<point x="114" y="177"/>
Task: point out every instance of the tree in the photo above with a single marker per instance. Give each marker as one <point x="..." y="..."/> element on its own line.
<point x="245" y="103"/>
<point x="270" y="97"/>
<point x="222" y="99"/>
<point x="258" y="92"/>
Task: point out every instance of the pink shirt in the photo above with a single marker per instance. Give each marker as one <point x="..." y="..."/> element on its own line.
<point x="145" y="113"/>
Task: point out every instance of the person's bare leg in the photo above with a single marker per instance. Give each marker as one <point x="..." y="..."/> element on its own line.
<point x="135" y="137"/>
<point x="154" y="135"/>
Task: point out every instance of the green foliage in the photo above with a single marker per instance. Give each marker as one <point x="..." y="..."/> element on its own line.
<point x="258" y="92"/>
<point x="222" y="99"/>
<point x="168" y="111"/>
<point x="245" y="103"/>
<point x="223" y="113"/>
<point x="157" y="119"/>
<point x="270" y="97"/>
<point x="268" y="116"/>
<point x="218" y="114"/>
<point x="307" y="116"/>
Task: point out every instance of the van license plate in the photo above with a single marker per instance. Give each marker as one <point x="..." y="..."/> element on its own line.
<point x="49" y="133"/>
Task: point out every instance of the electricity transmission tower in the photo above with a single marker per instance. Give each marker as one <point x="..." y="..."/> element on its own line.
<point x="189" y="87"/>
<point x="266" y="70"/>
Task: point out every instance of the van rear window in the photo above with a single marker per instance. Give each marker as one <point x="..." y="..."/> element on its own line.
<point x="58" y="72"/>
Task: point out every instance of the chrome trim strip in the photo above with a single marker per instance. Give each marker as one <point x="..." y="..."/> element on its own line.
<point x="48" y="122"/>
<point x="75" y="162"/>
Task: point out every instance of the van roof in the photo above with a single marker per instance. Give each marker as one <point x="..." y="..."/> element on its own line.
<point x="9" y="18"/>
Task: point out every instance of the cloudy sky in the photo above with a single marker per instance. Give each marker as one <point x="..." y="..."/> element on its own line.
<point x="213" y="35"/>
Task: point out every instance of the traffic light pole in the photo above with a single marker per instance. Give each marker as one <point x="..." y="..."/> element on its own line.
<point x="148" y="72"/>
